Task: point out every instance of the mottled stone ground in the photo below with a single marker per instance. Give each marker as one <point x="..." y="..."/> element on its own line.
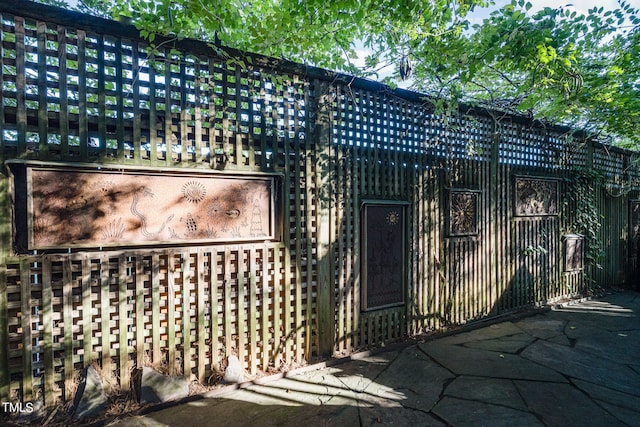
<point x="574" y="366"/>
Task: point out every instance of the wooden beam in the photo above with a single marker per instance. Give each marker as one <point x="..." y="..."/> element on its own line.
<point x="324" y="194"/>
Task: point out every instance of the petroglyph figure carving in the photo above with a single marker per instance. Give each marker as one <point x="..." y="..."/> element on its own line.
<point x="137" y="195"/>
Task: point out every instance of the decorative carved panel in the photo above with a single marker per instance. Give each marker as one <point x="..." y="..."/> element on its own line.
<point x="384" y="254"/>
<point x="634" y="236"/>
<point x="462" y="216"/>
<point x="634" y="223"/>
<point x="536" y="197"/>
<point x="106" y="208"/>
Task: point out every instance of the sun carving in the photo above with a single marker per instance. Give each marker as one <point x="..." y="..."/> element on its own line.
<point x="194" y="191"/>
<point x="393" y="218"/>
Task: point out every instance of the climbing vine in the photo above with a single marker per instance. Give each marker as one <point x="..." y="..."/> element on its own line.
<point x="582" y="215"/>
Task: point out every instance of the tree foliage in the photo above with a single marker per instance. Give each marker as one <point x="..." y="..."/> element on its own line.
<point x="552" y="64"/>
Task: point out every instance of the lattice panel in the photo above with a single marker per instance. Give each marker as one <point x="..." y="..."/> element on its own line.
<point x="375" y="120"/>
<point x="387" y="123"/>
<point x="611" y="163"/>
<point x="528" y="147"/>
<point x="182" y="312"/>
<point x="573" y="150"/>
<point x="107" y="97"/>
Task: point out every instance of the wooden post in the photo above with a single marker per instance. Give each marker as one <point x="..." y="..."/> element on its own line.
<point x="137" y="122"/>
<point x="119" y="81"/>
<point x="496" y="222"/>
<point x="252" y="313"/>
<point x="47" y="321"/>
<point x="213" y="269"/>
<point x="21" y="83"/>
<point x="154" y="271"/>
<point x="4" y="248"/>
<point x="324" y="180"/>
<point x="25" y="323"/>
<point x="123" y="345"/>
<point x="102" y="99"/>
<point x="171" y="308"/>
<point x="185" y="299"/>
<point x="105" y="316"/>
<point x="83" y="121"/>
<point x="67" y="319"/>
<point x="201" y="309"/>
<point x="64" y="101"/>
<point x="139" y="304"/>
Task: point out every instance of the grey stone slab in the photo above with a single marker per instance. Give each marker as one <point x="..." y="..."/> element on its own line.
<point x="579" y="364"/>
<point x="381" y="416"/>
<point x="413" y="379"/>
<point x="488" y="390"/>
<point x="322" y="416"/>
<point x="576" y="329"/>
<point x="580" y="322"/>
<point x="508" y="344"/>
<point x="563" y="405"/>
<point x="608" y="395"/>
<point x="159" y="388"/>
<point x="627" y="416"/>
<point x="458" y="412"/>
<point x="626" y="298"/>
<point x="542" y="326"/>
<point x="611" y="315"/>
<point x="617" y="346"/>
<point x="561" y="340"/>
<point x="255" y="395"/>
<point x="294" y="390"/>
<point x="482" y="363"/>
<point x="617" y="306"/>
<point x="139" y="421"/>
<point x="233" y="372"/>
<point x="264" y="411"/>
<point x="496" y="330"/>
<point x="355" y="375"/>
<point x="232" y="413"/>
<point x="90" y="397"/>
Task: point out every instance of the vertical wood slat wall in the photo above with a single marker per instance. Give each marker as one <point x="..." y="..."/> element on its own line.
<point x="106" y="101"/>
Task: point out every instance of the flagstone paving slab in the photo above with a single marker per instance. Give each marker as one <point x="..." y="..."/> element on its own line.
<point x="356" y="375"/>
<point x="579" y="364"/>
<point x="563" y="405"/>
<point x="462" y="413"/>
<point x="625" y="415"/>
<point x="542" y="326"/>
<point x="606" y="394"/>
<point x="475" y="362"/>
<point x="487" y="390"/>
<point x="605" y="343"/>
<point x="496" y="330"/>
<point x="508" y="344"/>
<point x="414" y="374"/>
<point x="400" y="417"/>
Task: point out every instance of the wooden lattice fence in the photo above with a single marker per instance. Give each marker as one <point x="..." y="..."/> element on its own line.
<point x="471" y="209"/>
